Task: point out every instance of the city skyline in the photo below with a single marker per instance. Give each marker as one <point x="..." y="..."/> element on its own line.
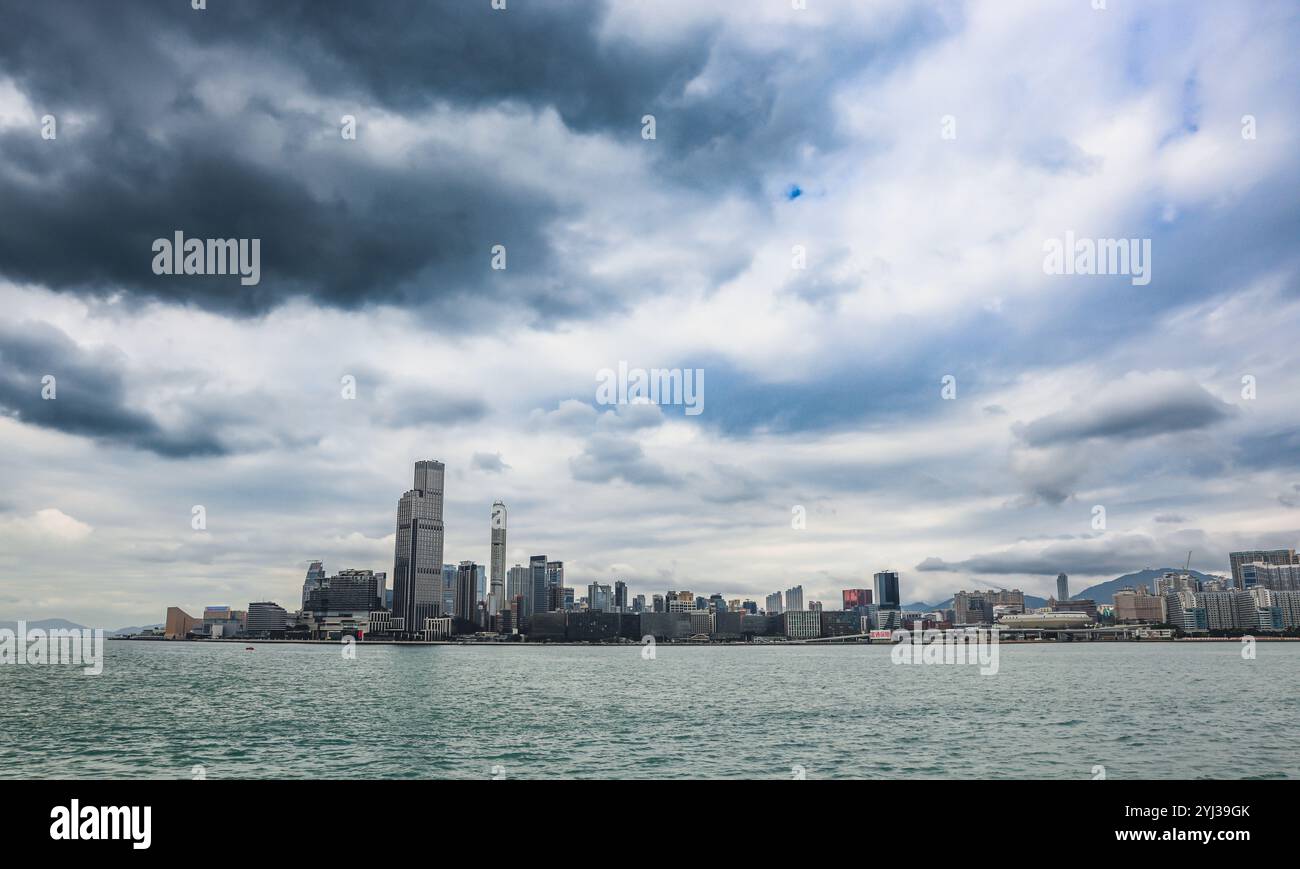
<point x="843" y="258"/>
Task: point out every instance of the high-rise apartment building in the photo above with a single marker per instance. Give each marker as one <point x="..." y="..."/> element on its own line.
<point x="417" y="559"/>
<point x="516" y="582"/>
<point x="1258" y="556"/>
<point x="794" y="598"/>
<point x="1275" y="577"/>
<point x="774" y="606"/>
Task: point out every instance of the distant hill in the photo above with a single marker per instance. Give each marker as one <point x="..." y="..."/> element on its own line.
<point x="46" y="625"/>
<point x="1102" y="592"/>
<point x="1105" y="592"/>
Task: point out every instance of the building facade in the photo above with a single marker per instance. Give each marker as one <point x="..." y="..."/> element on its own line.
<point x="417" y="559"/>
<point x="497" y="559"/>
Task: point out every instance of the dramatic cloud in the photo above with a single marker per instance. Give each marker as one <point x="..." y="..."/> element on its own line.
<point x="1139" y="405"/>
<point x="840" y="218"/>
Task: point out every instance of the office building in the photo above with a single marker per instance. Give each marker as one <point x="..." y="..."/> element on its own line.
<point x="599" y="598"/>
<point x="417" y="560"/>
<point x="447" y="601"/>
<point x="801" y="624"/>
<point x="887" y="596"/>
<point x="349" y="591"/>
<point x="1062" y="587"/>
<point x="855" y="597"/>
<point x="465" y="604"/>
<point x="536" y="599"/>
<point x="620" y="596"/>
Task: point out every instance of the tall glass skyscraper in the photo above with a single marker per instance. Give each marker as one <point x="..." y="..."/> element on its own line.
<point x="535" y="594"/>
<point x="1062" y="587"/>
<point x="497" y="563"/>
<point x="417" y="560"/>
<point x="516" y="584"/>
<point x="887" y="590"/>
<point x="448" y="589"/>
<point x="315" y="579"/>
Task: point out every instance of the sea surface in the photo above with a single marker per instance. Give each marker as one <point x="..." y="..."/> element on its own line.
<point x="1059" y="711"/>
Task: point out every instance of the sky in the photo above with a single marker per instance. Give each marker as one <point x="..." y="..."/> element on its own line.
<point x="839" y="214"/>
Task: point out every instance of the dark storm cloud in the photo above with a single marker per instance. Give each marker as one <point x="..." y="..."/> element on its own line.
<point x="90" y="398"/>
<point x="403" y="54"/>
<point x="341" y="230"/>
<point x="148" y="159"/>
<point x="1139" y="406"/>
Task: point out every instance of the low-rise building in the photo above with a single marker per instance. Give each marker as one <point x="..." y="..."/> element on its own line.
<point x="801" y="624"/>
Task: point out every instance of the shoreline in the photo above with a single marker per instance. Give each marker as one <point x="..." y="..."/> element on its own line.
<point x="680" y="645"/>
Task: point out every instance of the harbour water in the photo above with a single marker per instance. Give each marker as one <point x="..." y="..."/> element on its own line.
<point x="1059" y="711"/>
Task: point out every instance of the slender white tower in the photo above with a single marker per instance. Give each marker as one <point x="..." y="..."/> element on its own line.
<point x="497" y="572"/>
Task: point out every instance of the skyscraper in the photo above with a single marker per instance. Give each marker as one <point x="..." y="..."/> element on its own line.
<point x="417" y="560"/>
<point x="497" y="563"/>
<point x="516" y="583"/>
<point x="887" y="590"/>
<point x="794" y="598"/>
<point x="467" y="591"/>
<point x="620" y="596"/>
<point x="535" y="596"/>
<point x="315" y="579"/>
<point x="1062" y="587"/>
<point x="447" y="606"/>
<point x="598" y="598"/>
<point x="773" y="606"/>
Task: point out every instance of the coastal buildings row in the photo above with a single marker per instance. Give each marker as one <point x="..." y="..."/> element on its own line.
<point x="430" y="599"/>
